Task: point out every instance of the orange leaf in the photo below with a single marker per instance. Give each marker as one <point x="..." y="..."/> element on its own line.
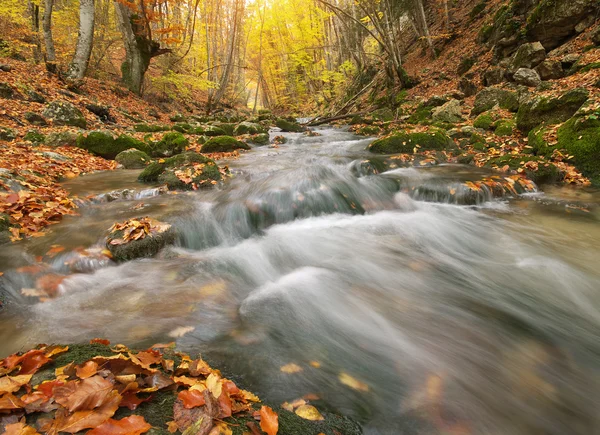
<point x="11" y="384"/>
<point x="269" y="420"/>
<point x="8" y="402"/>
<point x="88" y="419"/>
<point x="100" y="341"/>
<point x="19" y="428"/>
<point x="83" y="395"/>
<point x="87" y="370"/>
<point x="48" y="387"/>
<point x="191" y="398"/>
<point x="132" y="425"/>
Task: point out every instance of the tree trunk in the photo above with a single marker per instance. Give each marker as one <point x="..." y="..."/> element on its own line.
<point x="85" y="39"/>
<point x="139" y="49"/>
<point x="34" y="10"/>
<point x="47" y="26"/>
<point x="423" y="18"/>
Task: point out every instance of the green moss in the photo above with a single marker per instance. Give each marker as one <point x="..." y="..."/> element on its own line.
<point x="260" y="139"/>
<point x="7" y="133"/>
<point x="200" y="176"/>
<point x="226" y="127"/>
<point x="589" y="67"/>
<point x="289" y="126"/>
<point x="476" y="138"/>
<point x="178" y="117"/>
<point x="124" y="142"/>
<point x="485" y="33"/>
<point x="403" y="142"/>
<point x="580" y="137"/>
<point x="422" y="115"/>
<point x="477" y="9"/>
<point x="505" y="127"/>
<point x="149" y="128"/>
<point x="183" y="127"/>
<point x="548" y="110"/>
<point x="170" y="144"/>
<point x="248" y="128"/>
<point x="133" y="159"/>
<point x="34" y="136"/>
<point x="465" y="65"/>
<point x="223" y="144"/>
<point x="485" y="121"/>
<point x="151" y="172"/>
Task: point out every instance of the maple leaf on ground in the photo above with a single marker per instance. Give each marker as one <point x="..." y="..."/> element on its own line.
<point x="132" y="425"/>
<point x="269" y="420"/>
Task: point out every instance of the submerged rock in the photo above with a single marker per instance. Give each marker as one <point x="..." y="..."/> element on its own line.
<point x="123" y="245"/>
<point x="187" y="171"/>
<point x="288" y="126"/>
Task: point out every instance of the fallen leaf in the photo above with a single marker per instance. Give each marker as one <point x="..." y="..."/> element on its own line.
<point x="85" y="394"/>
<point x="132" y="425"/>
<point x="214" y="385"/>
<point x="11" y="384"/>
<point x="191" y="398"/>
<point x="19" y="428"/>
<point x="87" y="370"/>
<point x="291" y="368"/>
<point x="352" y="382"/>
<point x="309" y="412"/>
<point x="91" y="418"/>
<point x="269" y="420"/>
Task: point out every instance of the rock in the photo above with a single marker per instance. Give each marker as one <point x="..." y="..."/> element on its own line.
<point x="198" y="170"/>
<point x="465" y="65"/>
<point x="36" y="97"/>
<point x="488" y="98"/>
<point x="450" y="112"/>
<point x="178" y="117"/>
<point x="147" y="247"/>
<point x="404" y="142"/>
<point x="287" y="126"/>
<point x="153" y="113"/>
<point x="550" y="69"/>
<point x="504" y="127"/>
<point x="6" y="91"/>
<point x="55" y="156"/>
<point x="5" y="67"/>
<point x="580" y="137"/>
<point x="596" y="36"/>
<point x="7" y="134"/>
<point x="464" y="132"/>
<point x="34" y="136"/>
<point x="436" y="101"/>
<point x="493" y="76"/>
<point x="569" y="60"/>
<point x="467" y="87"/>
<point x="554" y="21"/>
<point x="63" y="113"/>
<point x="64" y="138"/>
<point x="4" y="232"/>
<point x="248" y="128"/>
<point x="528" y="55"/>
<point x="102" y="112"/>
<point x="133" y="159"/>
<point x="170" y="144"/>
<point x="584" y="24"/>
<point x="456" y="94"/>
<point x="527" y="77"/>
<point x="35" y="119"/>
<point x="550" y="110"/>
<point x="260" y="139"/>
<point x="223" y="144"/>
<point x="105" y="145"/>
<point x="485" y="121"/>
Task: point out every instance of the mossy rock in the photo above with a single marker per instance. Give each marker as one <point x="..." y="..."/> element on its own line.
<point x="171" y="143"/>
<point x="150" y="128"/>
<point x="478" y="141"/>
<point x="488" y="98"/>
<point x="183" y="127"/>
<point x="260" y="139"/>
<point x="151" y="173"/>
<point x="133" y="159"/>
<point x="226" y="127"/>
<point x="106" y="146"/>
<point x="4" y="234"/>
<point x="7" y="134"/>
<point x="466" y="63"/>
<point x="63" y="138"/>
<point x="147" y="247"/>
<point x="248" y="128"/>
<point x="289" y="126"/>
<point x="549" y="110"/>
<point x="485" y="121"/>
<point x="223" y="144"/>
<point x="368" y="130"/>
<point x="545" y="174"/>
<point x="537" y="145"/>
<point x="64" y="113"/>
<point x="580" y="137"/>
<point x="34" y="136"/>
<point x="201" y="175"/>
<point x="505" y="127"/>
<point x="421" y="115"/>
<point x="404" y="142"/>
<point x="178" y="117"/>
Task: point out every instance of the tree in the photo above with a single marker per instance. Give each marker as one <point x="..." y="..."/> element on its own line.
<point x="85" y="40"/>
<point x="47" y="26"/>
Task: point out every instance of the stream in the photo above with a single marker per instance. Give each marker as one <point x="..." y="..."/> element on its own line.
<point x="403" y="309"/>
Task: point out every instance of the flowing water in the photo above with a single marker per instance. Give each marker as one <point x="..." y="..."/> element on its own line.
<point x="443" y="318"/>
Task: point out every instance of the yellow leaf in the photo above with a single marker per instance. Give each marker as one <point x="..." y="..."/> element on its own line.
<point x="291" y="368"/>
<point x="352" y="382"/>
<point x="309" y="412"/>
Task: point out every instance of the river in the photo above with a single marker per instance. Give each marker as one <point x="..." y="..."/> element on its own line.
<point x="400" y="308"/>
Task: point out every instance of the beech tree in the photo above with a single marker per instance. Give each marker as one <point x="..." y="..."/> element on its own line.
<point x="85" y="40"/>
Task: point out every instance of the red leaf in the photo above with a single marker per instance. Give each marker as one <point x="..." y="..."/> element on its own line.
<point x="191" y="398"/>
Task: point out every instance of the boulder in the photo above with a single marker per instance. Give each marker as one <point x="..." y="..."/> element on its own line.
<point x="6" y="91"/>
<point x="493" y="76"/>
<point x="435" y="101"/>
<point x="7" y="134"/>
<point x="105" y="145"/>
<point x="185" y="171"/>
<point x="133" y="159"/>
<point x="488" y="98"/>
<point x="248" y="128"/>
<point x="159" y="236"/>
<point x="170" y="144"/>
<point x="569" y="60"/>
<point x="223" y="144"/>
<point x="596" y="36"/>
<point x="449" y="112"/>
<point x="35" y="119"/>
<point x="4" y="232"/>
<point x="464" y="132"/>
<point x="260" y="139"/>
<point x="288" y="126"/>
<point x="552" y="22"/>
<point x="64" y="113"/>
<point x="528" y="55"/>
<point x="550" y="70"/>
<point x="580" y="137"/>
<point x="60" y="139"/>
<point x="34" y="136"/>
<point x="102" y="112"/>
<point x="467" y="87"/>
<point x="550" y="110"/>
<point x="405" y="142"/>
<point x="36" y="97"/>
<point x="527" y="77"/>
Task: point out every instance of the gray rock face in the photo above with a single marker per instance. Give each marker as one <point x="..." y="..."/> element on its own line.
<point x="550" y="69"/>
<point x="63" y="113"/>
<point x="449" y="112"/>
<point x="36" y="97"/>
<point x="596" y="36"/>
<point x="527" y="77"/>
<point x="435" y="101"/>
<point x="540" y="109"/>
<point x="60" y="139"/>
<point x="493" y="76"/>
<point x="55" y="156"/>
<point x="528" y="55"/>
<point x="490" y="97"/>
<point x="553" y="21"/>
